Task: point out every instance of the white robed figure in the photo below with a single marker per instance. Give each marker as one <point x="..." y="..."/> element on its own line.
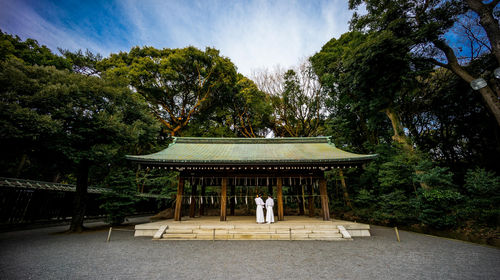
<point x="260" y="209"/>
<point x="269" y="210"/>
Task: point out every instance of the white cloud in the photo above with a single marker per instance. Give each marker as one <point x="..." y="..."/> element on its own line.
<point x="18" y="18"/>
<point x="255" y="34"/>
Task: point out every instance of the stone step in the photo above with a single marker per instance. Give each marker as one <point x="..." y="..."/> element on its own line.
<point x="250" y="232"/>
<point x="179" y="231"/>
<point x="321" y="235"/>
<point x="216" y="237"/>
<point x="242" y="236"/>
<point x="324" y="231"/>
<point x="210" y="231"/>
<point x="252" y="236"/>
<point x="179" y="236"/>
<point x="145" y="232"/>
<point x="216" y="226"/>
<point x="281" y="231"/>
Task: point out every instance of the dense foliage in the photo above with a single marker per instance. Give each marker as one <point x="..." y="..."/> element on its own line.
<point x="393" y="85"/>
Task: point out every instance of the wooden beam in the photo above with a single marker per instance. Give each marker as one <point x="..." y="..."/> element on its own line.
<point x="223" y="194"/>
<point x="202" y="205"/>
<point x="310" y="201"/>
<point x="178" y="202"/>
<point x="192" y="206"/>
<point x="324" y="200"/>
<point x="279" y="190"/>
<point x="262" y="174"/>
<point x="231" y="203"/>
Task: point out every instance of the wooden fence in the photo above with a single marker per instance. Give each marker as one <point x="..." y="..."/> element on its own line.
<point x="28" y="201"/>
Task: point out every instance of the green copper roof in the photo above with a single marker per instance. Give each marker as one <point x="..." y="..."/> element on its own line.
<point x="240" y="151"/>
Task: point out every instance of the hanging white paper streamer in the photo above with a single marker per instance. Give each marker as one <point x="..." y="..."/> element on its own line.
<point x="201" y="199"/>
<point x="235" y="200"/>
<point x="246" y="200"/>
<point x="189" y="199"/>
<point x="212" y="200"/>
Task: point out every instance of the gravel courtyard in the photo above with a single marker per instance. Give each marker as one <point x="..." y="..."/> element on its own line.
<point x="46" y="254"/>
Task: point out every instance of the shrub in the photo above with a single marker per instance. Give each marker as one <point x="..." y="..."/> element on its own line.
<point x="437" y="207"/>
<point x="483" y="189"/>
<point x="394" y="208"/>
<point x="120" y="201"/>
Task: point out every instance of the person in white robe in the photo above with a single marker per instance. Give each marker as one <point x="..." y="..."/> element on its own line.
<point x="260" y="209"/>
<point x="269" y="209"/>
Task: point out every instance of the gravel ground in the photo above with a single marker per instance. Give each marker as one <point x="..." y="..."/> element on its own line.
<point x="44" y="254"/>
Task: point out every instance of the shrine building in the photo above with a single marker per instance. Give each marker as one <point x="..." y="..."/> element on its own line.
<point x="265" y="162"/>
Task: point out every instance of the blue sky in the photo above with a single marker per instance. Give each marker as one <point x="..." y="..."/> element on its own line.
<point x="255" y="34"/>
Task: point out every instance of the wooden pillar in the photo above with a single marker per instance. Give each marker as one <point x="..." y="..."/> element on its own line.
<point x="192" y="206"/>
<point x="231" y="203"/>
<point x="202" y="205"/>
<point x="310" y="200"/>
<point x="223" y="194"/>
<point x="178" y="202"/>
<point x="324" y="199"/>
<point x="279" y="190"/>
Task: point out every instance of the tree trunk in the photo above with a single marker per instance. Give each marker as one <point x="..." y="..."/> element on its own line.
<point x="492" y="102"/>
<point x="397" y="128"/>
<point x="178" y="200"/>
<point x="80" y="202"/>
<point x="344" y="189"/>
<point x="399" y="137"/>
<point x="489" y="23"/>
<point x="21" y="165"/>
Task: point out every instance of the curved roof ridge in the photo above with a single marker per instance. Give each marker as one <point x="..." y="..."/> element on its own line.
<point x="214" y="140"/>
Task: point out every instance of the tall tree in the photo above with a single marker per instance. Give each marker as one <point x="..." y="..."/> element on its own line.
<point x="251" y="109"/>
<point x="426" y="23"/>
<point x="84" y="63"/>
<point x="30" y="52"/>
<point x="79" y="120"/>
<point x="368" y="73"/>
<point x="297" y="98"/>
<point x="178" y="83"/>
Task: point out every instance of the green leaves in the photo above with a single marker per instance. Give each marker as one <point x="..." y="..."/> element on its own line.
<point x="437" y="207"/>
<point x="74" y="116"/>
<point x="481" y="182"/>
<point x="179" y="84"/>
<point x="483" y="197"/>
<point x="30" y="52"/>
<point x="120" y="201"/>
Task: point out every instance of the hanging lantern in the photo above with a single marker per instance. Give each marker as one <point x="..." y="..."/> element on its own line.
<point x="497" y="73"/>
<point x="478" y="84"/>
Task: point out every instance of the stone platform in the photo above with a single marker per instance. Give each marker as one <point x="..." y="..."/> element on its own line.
<point x="245" y="228"/>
